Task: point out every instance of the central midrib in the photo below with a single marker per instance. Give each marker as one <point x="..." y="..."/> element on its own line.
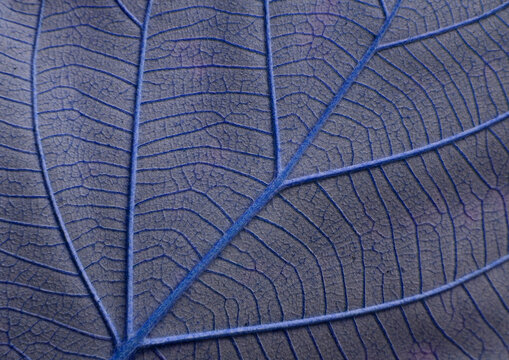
<point x="132" y="176"/>
<point x="126" y="349"/>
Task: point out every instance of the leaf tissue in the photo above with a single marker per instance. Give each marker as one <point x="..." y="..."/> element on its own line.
<point x="218" y="179"/>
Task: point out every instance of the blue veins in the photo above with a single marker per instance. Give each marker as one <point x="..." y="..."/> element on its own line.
<point x="136" y="339"/>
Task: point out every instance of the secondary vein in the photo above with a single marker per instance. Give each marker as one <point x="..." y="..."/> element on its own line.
<point x="396" y="157"/>
<point x="125" y="350"/>
<point x="49" y="188"/>
<point x="445" y="29"/>
<point x="272" y="89"/>
<point x="328" y="317"/>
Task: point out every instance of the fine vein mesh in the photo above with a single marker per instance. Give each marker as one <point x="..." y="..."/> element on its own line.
<point x="85" y="85"/>
<point x="361" y="239"/>
<point x="265" y="179"/>
<point x="315" y="47"/>
<point x="45" y="307"/>
<point x="205" y="144"/>
<point x="414" y="94"/>
<point x="430" y="327"/>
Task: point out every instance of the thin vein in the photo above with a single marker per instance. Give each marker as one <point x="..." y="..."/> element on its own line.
<point x="384" y="7"/>
<point x="35" y="263"/>
<point x="129" y="347"/>
<point x="18" y="351"/>
<point x="272" y="89"/>
<point x="42" y="290"/>
<point x="215" y="9"/>
<point x="396" y="157"/>
<point x="27" y="224"/>
<point x="322" y="318"/>
<point x="128" y="13"/>
<point x="444" y="29"/>
<point x="56" y="322"/>
<point x="49" y="189"/>
<point x="132" y="181"/>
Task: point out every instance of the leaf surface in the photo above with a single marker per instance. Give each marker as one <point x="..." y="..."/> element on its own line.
<point x="265" y="179"/>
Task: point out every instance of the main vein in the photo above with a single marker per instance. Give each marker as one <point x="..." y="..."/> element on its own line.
<point x="132" y="177"/>
<point x="49" y="188"/>
<point x="126" y="349"/>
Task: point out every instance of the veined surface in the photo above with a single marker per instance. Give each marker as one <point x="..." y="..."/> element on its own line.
<point x="258" y="179"/>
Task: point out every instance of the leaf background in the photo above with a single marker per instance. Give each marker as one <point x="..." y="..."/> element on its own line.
<point x="256" y="180"/>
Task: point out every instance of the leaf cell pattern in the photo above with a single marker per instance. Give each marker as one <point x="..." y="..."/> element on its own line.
<point x="260" y="179"/>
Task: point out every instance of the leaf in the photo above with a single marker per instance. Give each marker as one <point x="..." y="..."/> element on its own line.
<point x="282" y="179"/>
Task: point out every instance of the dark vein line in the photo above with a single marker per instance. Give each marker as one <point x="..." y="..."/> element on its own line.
<point x="191" y="163"/>
<point x="386" y="335"/>
<point x="18" y="351"/>
<point x="49" y="189"/>
<point x="322" y="318"/>
<point x="272" y="89"/>
<point x="35" y="263"/>
<point x="91" y="97"/>
<point x="14" y="75"/>
<point x="444" y="29"/>
<point x="384" y="7"/>
<point x="397" y="157"/>
<point x="27" y="224"/>
<point x="80" y="113"/>
<point x="55" y="322"/>
<point x="203" y="7"/>
<point x="22" y="196"/>
<point x="42" y="290"/>
<point x="16" y="125"/>
<point x="77" y="46"/>
<point x="444" y="333"/>
<point x="22" y="151"/>
<point x="20" y="169"/>
<point x="483" y="317"/>
<point x="336" y="340"/>
<point x="243" y="93"/>
<point x="361" y="339"/>
<point x="207" y="66"/>
<point x="125" y="350"/>
<point x="95" y="28"/>
<point x="414" y="221"/>
<point x="315" y="344"/>
<point x="317" y="13"/>
<point x="15" y="39"/>
<point x="128" y="13"/>
<point x="159" y="354"/>
<point x="221" y="41"/>
<point x="393" y="238"/>
<point x="14" y="101"/>
<point x="17" y="23"/>
<point x="132" y="181"/>
<point x="95" y="70"/>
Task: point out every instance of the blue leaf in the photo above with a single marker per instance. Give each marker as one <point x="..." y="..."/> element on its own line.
<point x="263" y="179"/>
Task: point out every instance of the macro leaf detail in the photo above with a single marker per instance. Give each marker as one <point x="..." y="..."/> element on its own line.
<point x="261" y="179"/>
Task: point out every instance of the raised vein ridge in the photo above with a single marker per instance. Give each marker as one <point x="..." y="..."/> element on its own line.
<point x="49" y="188"/>
<point x="444" y="29"/>
<point x="125" y="350"/>
<point x="324" y="318"/>
<point x="126" y="11"/>
<point x="132" y="175"/>
<point x="396" y="157"/>
<point x="272" y="89"/>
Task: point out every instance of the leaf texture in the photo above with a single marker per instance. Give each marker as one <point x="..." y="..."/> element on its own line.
<point x="259" y="179"/>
